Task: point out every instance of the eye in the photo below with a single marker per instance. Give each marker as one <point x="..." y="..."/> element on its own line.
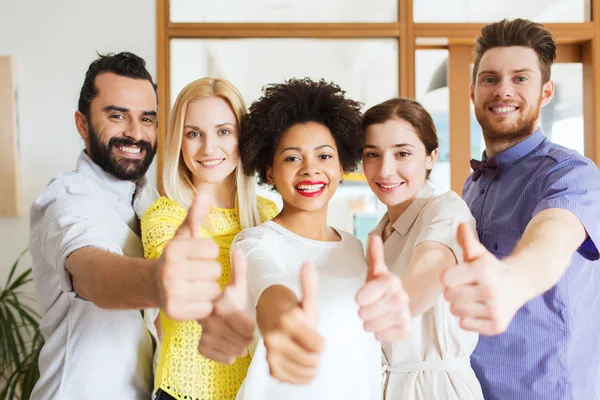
<point x="224" y="132"/>
<point x="118" y="117"/>
<point x="325" y="156"/>
<point x="488" y="80"/>
<point x="193" y="134"/>
<point x="147" y="120"/>
<point x="371" y="155"/>
<point x="402" y="154"/>
<point x="522" y="79"/>
<point x="291" y="159"/>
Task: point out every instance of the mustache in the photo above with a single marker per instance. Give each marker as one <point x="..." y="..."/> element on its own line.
<point x="123" y="141"/>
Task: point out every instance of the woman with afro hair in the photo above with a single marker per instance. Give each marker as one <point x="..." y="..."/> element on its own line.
<point x="319" y="305"/>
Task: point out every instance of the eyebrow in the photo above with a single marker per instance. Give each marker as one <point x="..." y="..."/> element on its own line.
<point x="217" y="125"/>
<point x="371" y="146"/>
<point x="514" y="71"/>
<point x="126" y="110"/>
<point x="299" y="149"/>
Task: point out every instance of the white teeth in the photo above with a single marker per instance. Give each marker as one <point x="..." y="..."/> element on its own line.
<point x="132" y="150"/>
<point x="503" y="109"/>
<point x="310" y="188"/>
<point x="211" y="163"/>
<point x="389" y="186"/>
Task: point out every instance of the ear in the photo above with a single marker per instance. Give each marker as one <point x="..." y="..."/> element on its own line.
<point x="547" y="92"/>
<point x="472" y="92"/>
<point x="430" y="159"/>
<point x="82" y="125"/>
<point x="270" y="179"/>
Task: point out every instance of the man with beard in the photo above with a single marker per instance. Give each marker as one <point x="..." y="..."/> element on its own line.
<point x="534" y="280"/>
<point x="97" y="293"/>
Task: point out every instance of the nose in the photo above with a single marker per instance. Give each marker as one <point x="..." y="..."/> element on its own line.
<point x="504" y="89"/>
<point x="388" y="166"/>
<point x="309" y="167"/>
<point x="208" y="145"/>
<point x="135" y="130"/>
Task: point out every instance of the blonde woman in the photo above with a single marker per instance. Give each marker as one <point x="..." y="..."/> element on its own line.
<point x="201" y="155"/>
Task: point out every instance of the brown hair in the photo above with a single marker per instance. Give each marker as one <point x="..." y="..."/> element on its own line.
<point x="407" y="110"/>
<point x="518" y="32"/>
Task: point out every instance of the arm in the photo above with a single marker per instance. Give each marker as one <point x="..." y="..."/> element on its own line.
<point x="113" y="281"/>
<point x="421" y="280"/>
<point x="289" y="329"/>
<point x="544" y="252"/>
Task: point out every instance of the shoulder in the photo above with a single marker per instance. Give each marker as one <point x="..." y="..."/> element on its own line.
<point x="447" y="203"/>
<point x="258" y="236"/>
<point x="165" y="209"/>
<point x="68" y="190"/>
<point x="267" y="209"/>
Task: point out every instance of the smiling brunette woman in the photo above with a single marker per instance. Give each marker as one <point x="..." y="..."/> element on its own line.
<point x="300" y="137"/>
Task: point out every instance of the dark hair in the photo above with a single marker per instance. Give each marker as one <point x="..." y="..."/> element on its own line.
<point x="407" y="110"/>
<point x="123" y="64"/>
<point x="293" y="102"/>
<point x="518" y="32"/>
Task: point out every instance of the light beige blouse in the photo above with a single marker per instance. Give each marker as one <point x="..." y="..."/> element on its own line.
<point x="433" y="362"/>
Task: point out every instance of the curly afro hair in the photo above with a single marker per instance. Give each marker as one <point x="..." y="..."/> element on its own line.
<point x="293" y="102"/>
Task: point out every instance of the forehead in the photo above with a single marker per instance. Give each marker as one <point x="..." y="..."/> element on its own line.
<point x="210" y="110"/>
<point x="134" y="94"/>
<point x="507" y="59"/>
<point x="391" y="132"/>
<point x="309" y="134"/>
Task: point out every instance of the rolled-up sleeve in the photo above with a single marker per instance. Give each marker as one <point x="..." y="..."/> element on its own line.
<point x="574" y="185"/>
<point x="64" y="225"/>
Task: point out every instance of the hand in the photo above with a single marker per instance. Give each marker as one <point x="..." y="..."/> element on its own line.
<point x="382" y="300"/>
<point x="228" y="331"/>
<point x="188" y="269"/>
<point x="480" y="290"/>
<point x="294" y="346"/>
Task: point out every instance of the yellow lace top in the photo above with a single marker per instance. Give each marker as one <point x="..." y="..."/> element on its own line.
<point x="182" y="372"/>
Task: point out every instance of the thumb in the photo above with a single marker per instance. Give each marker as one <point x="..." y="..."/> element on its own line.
<point x="309" y="281"/>
<point x="195" y="217"/>
<point x="469" y="243"/>
<point x="375" y="259"/>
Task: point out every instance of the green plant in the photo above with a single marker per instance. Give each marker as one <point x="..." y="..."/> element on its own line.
<point x="20" y="337"/>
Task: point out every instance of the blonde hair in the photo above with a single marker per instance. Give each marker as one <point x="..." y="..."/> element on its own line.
<point x="177" y="178"/>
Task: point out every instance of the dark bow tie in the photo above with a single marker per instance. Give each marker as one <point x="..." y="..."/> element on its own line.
<point x="490" y="167"/>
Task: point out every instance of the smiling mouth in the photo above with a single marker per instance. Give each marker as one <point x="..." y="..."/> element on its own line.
<point x="389" y="188"/>
<point x="211" y="163"/>
<point x="130" y="151"/>
<point x="503" y="110"/>
<point x="310" y="190"/>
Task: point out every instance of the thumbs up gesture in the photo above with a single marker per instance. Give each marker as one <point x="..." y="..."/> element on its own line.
<point x="294" y="345"/>
<point x="480" y="290"/>
<point x="228" y="331"/>
<point x="188" y="269"/>
<point x="382" y="300"/>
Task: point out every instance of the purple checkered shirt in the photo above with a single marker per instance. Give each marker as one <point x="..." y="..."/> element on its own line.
<point x="551" y="349"/>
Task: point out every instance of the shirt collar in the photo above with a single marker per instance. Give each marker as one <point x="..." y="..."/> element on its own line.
<point x="409" y="216"/>
<point x="513" y="154"/>
<point x="107" y="181"/>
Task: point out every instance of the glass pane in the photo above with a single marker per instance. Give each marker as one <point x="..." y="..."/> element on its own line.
<point x="367" y="69"/>
<point x="493" y="10"/>
<point x="432" y="92"/>
<point x="283" y="11"/>
<point x="561" y="119"/>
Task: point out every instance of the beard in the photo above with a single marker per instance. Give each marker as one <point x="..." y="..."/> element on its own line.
<point x="121" y="168"/>
<point x="500" y="132"/>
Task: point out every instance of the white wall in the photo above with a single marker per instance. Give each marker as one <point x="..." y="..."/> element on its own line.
<point x="54" y="42"/>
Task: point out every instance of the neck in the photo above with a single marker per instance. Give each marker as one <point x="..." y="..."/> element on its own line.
<point x="494" y="147"/>
<point x="219" y="194"/>
<point x="309" y="224"/>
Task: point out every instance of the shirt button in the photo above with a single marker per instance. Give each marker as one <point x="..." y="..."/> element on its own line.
<point x="482" y="191"/>
<point x="495" y="246"/>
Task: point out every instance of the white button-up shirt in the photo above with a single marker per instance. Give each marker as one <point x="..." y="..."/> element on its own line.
<point x="89" y="353"/>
